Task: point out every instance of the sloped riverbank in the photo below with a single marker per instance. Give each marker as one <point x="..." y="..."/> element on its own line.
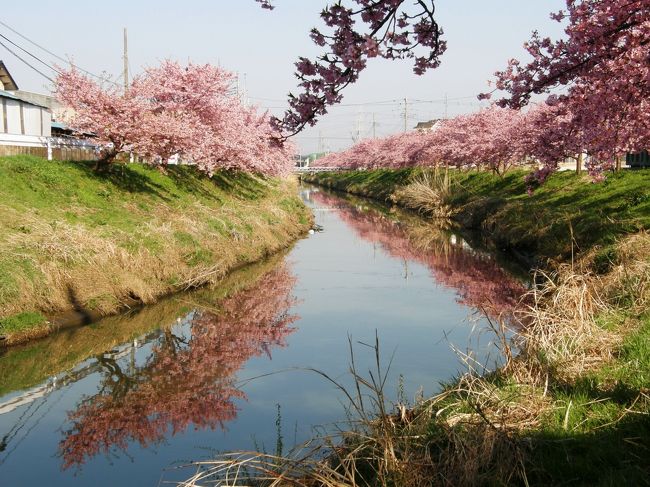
<point x="570" y="405"/>
<point x="75" y="240"/>
<point x="564" y="217"/>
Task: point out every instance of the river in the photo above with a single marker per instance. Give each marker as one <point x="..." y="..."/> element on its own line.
<point x="128" y="399"/>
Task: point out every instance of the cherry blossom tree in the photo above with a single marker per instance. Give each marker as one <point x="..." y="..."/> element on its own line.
<point x="598" y="77"/>
<point x="173" y="110"/>
<point x="493" y="138"/>
<point x="100" y="111"/>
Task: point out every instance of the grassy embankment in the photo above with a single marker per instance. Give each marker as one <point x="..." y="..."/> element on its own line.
<point x="72" y="239"/>
<point x="567" y="214"/>
<point x="572" y="403"/>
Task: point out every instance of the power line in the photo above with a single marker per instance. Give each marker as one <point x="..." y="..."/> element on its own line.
<point x="26" y="62"/>
<point x="67" y="61"/>
<point x="32" y="42"/>
<point x="30" y="54"/>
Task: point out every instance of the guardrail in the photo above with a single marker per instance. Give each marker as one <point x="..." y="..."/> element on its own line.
<point x="316" y="169"/>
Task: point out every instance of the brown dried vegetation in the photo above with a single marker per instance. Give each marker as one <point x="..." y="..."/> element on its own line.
<point x="501" y="427"/>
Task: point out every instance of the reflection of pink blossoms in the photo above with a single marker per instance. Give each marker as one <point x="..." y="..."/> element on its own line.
<point x="479" y="282"/>
<point x="183" y="383"/>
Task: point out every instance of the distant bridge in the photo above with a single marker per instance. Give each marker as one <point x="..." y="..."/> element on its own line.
<point x="311" y="169"/>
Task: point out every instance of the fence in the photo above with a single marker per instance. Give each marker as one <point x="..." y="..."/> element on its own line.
<point x="52" y="148"/>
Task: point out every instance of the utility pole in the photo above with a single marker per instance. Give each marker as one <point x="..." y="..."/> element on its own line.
<point x="374" y="126"/>
<point x="126" y="64"/>
<point x="356" y="133"/>
<point x="446" y="106"/>
<point x="245" y="100"/>
<point x="320" y="141"/>
<point x="358" y="127"/>
<point x="406" y="114"/>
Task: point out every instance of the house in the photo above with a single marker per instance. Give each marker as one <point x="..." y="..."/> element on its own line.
<point x="428" y="126"/>
<point x="26" y="125"/>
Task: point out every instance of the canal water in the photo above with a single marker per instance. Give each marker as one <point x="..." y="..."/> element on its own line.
<point x="128" y="399"/>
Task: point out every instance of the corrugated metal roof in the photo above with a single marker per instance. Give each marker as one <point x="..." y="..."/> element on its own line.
<point x="7" y="94"/>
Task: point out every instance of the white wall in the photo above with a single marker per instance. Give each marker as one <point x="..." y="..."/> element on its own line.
<point x="36" y="120"/>
<point x="47" y="123"/>
<point x="32" y="120"/>
<point x="13" y="116"/>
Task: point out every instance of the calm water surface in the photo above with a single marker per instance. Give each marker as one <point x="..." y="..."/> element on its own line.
<point x="121" y="401"/>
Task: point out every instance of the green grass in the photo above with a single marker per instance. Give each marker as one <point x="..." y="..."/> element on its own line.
<point x="568" y="213"/>
<point x="21" y="322"/>
<point x="71" y="237"/>
<point x="599" y="431"/>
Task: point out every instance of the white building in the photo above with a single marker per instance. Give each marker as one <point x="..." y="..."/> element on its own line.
<point x="26" y="125"/>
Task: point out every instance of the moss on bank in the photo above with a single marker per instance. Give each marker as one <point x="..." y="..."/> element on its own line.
<point x="71" y="238"/>
<point x="567" y="214"/>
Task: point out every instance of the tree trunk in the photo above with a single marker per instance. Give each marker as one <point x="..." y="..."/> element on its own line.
<point x="619" y="162"/>
<point x="104" y="162"/>
<point x="579" y="164"/>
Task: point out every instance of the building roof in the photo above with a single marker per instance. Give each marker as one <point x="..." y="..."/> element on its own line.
<point x="428" y="125"/>
<point x="6" y="78"/>
<point x="11" y="96"/>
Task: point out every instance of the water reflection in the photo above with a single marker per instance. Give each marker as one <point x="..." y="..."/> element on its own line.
<point x="188" y="378"/>
<point x="118" y="401"/>
<point x="475" y="276"/>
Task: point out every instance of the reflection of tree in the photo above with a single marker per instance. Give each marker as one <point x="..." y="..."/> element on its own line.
<point x="475" y="276"/>
<point x="183" y="381"/>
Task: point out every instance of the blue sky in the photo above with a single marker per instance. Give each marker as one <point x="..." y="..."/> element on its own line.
<point x="262" y="46"/>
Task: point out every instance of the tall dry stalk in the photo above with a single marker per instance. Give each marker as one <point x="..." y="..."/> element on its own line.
<point x="475" y="431"/>
<point x="428" y="194"/>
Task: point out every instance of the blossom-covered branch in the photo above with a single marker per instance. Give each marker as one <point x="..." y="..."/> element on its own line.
<point x="359" y="30"/>
<point x="602" y="70"/>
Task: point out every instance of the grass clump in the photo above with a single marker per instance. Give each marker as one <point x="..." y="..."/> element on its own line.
<point x="21" y="322"/>
<point x="428" y="194"/>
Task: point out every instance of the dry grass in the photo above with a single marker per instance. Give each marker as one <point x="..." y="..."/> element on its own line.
<point x="428" y="194"/>
<point x="475" y="432"/>
<point x="55" y="258"/>
<point x="561" y="333"/>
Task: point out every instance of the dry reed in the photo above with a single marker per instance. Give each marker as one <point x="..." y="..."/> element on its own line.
<point x="473" y="432"/>
<point x="428" y="194"/>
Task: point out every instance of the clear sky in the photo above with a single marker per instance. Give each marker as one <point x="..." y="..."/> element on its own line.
<point x="262" y="47"/>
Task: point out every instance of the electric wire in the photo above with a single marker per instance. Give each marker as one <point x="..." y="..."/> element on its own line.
<point x="30" y="54"/>
<point x="60" y="58"/>
<point x="26" y="62"/>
